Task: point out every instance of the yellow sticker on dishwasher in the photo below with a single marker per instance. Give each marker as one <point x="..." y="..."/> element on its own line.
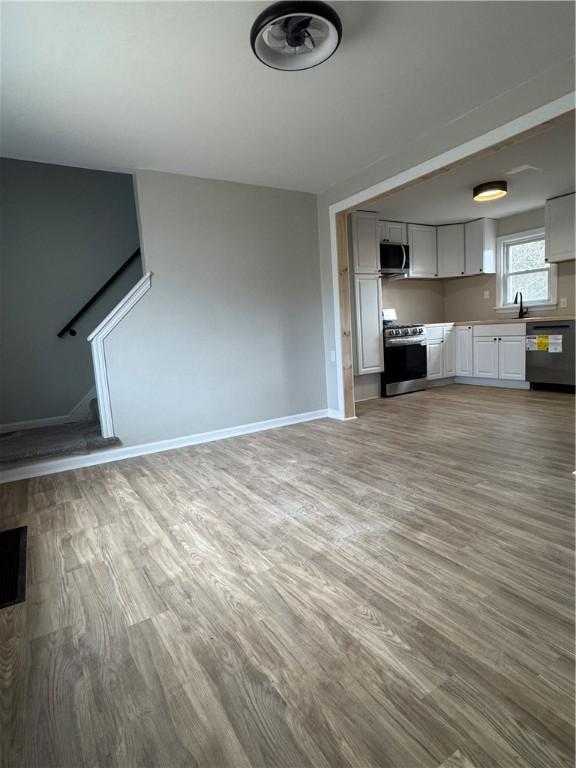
<point x="542" y="343"/>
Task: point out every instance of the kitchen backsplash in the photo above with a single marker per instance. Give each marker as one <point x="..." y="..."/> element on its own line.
<point x="463" y="298"/>
<point x="445" y="301"/>
<point x="415" y="301"/>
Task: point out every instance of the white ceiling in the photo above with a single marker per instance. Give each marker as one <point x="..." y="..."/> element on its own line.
<point x="448" y="198"/>
<point x="175" y="86"/>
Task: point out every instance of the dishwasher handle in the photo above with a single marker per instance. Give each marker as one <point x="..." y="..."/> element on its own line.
<point x="546" y="327"/>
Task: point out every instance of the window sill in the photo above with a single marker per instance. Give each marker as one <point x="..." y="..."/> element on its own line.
<point x="515" y="307"/>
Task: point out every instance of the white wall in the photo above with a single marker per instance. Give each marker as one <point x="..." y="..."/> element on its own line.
<point x="511" y="104"/>
<point x="231" y="330"/>
<point x="64" y="232"/>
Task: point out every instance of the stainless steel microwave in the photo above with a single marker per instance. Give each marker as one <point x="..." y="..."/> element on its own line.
<point x="394" y="259"/>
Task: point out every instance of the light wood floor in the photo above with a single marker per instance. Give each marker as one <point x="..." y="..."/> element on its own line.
<point x="395" y="591"/>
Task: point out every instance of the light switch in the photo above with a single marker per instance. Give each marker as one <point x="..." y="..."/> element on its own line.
<point x="332" y="356"/>
<point x="486" y="294"/>
<point x="564" y="303"/>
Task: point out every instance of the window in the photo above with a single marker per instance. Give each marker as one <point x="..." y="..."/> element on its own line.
<point x="523" y="268"/>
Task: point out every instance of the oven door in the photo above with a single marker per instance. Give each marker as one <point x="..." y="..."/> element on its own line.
<point x="404" y="362"/>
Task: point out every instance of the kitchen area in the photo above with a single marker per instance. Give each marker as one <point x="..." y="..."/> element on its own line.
<point x="465" y="280"/>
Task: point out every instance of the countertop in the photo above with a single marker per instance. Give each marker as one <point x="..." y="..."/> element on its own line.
<point x="504" y="321"/>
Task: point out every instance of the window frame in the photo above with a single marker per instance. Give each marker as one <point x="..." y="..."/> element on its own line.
<point x="502" y="274"/>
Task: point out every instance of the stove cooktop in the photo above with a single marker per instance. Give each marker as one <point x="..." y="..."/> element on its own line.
<point x="392" y="330"/>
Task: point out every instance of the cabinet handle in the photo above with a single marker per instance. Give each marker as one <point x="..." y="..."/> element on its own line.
<point x="499" y="339"/>
<point x="495" y="339"/>
<point x="480" y="269"/>
<point x="461" y="273"/>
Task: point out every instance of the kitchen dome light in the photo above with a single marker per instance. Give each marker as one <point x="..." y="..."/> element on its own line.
<point x="490" y="190"/>
<point x="296" y="35"/>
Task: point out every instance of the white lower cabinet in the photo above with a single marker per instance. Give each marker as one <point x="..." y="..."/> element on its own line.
<point x="486" y="357"/>
<point x="512" y="357"/>
<point x="490" y="351"/>
<point x="464" y="356"/>
<point x="434" y="361"/>
<point x="440" y="352"/>
<point x="449" y="352"/>
<point x="369" y="345"/>
<point x="500" y="352"/>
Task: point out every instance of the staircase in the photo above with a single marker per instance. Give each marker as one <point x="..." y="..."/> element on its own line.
<point x="74" y="439"/>
<point x="31" y="445"/>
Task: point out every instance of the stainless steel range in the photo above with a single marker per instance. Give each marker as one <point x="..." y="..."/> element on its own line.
<point x="405" y="367"/>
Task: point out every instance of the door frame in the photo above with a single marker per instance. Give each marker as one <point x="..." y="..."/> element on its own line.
<point x="506" y="135"/>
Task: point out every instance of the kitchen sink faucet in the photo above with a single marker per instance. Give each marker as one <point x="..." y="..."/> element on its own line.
<point x="522" y="312"/>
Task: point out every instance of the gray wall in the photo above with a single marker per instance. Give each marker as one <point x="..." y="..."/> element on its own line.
<point x="231" y="330"/>
<point x="64" y="232"/>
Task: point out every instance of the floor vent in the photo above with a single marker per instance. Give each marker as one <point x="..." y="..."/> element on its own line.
<point x="12" y="566"/>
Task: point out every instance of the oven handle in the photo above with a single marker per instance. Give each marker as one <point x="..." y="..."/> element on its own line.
<point x="402" y="343"/>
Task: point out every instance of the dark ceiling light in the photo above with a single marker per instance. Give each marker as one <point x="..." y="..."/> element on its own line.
<point x="490" y="190"/>
<point x="296" y="35"/>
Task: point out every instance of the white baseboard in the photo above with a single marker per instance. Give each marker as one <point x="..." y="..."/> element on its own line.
<point x="505" y="383"/>
<point x="479" y="382"/>
<point x="332" y="413"/>
<point x="52" y="466"/>
<point x="79" y="413"/>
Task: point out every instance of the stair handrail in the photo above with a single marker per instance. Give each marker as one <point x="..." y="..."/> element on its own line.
<point x="69" y="327"/>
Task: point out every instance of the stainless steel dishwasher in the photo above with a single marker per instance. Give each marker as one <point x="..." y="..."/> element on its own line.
<point x="550" y="354"/>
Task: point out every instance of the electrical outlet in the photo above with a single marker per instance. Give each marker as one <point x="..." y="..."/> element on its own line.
<point x="564" y="303"/>
<point x="486" y="294"/>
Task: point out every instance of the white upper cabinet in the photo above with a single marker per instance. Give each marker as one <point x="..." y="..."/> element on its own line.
<point x="480" y="246"/>
<point x="450" y="250"/>
<point x="464" y="365"/>
<point x="364" y="243"/>
<point x="423" y="255"/>
<point x="393" y="232"/>
<point x="368" y="323"/>
<point x="560" y="228"/>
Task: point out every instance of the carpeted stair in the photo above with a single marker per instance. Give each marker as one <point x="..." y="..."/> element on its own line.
<point x="31" y="445"/>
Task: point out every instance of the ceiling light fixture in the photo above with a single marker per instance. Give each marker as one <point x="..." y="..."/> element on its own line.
<point x="490" y="190"/>
<point x="296" y="35"/>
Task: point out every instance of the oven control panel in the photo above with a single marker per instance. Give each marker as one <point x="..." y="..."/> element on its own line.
<point x="404" y="334"/>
